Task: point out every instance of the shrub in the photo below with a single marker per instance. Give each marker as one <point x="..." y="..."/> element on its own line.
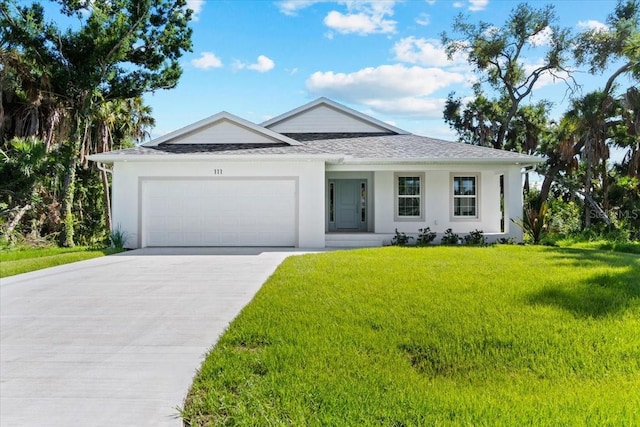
<point x="564" y="217"/>
<point x="118" y="237"/>
<point x="400" y="239"/>
<point x="534" y="221"/>
<point x="475" y="238"/>
<point x="450" y="238"/>
<point x="425" y="236"/>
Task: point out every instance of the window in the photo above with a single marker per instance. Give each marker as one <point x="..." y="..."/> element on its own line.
<point x="363" y="202"/>
<point x="465" y="196"/>
<point x="409" y="196"/>
<point x="332" y="208"/>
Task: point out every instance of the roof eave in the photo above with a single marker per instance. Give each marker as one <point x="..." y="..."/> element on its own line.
<point x="107" y="159"/>
<point x="439" y="160"/>
<point x="223" y="115"/>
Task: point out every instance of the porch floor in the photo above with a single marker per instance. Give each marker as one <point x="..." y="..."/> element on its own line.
<point x="341" y="239"/>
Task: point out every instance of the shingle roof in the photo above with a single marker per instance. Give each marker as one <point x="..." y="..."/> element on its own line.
<point x="368" y="148"/>
<point x="333" y="135"/>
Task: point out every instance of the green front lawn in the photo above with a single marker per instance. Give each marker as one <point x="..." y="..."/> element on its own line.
<point x="503" y="335"/>
<point x="23" y="260"/>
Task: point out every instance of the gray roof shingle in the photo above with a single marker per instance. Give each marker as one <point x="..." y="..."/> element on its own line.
<point x="378" y="147"/>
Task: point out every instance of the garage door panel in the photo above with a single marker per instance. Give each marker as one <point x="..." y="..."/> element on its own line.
<point x="219" y="213"/>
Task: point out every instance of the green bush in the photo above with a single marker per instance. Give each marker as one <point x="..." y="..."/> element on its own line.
<point x="425" y="236"/>
<point x="400" y="239"/>
<point x="534" y="222"/>
<point x="450" y="238"/>
<point x="565" y="218"/>
<point x="475" y="238"/>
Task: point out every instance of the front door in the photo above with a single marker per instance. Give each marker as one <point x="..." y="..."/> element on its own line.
<point x="348" y="205"/>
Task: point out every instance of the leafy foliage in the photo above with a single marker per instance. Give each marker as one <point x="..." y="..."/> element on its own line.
<point x="534" y="221"/>
<point x="425" y="236"/>
<point x="496" y="55"/>
<point x="118" y="238"/>
<point x="475" y="238"/>
<point x="67" y="86"/>
<point x="400" y="239"/>
<point x="450" y="238"/>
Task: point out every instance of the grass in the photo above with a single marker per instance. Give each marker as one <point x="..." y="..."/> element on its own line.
<point x="24" y="260"/>
<point x="601" y="244"/>
<point x="502" y="335"/>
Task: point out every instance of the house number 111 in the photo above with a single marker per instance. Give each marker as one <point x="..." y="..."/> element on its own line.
<point x="217" y="171"/>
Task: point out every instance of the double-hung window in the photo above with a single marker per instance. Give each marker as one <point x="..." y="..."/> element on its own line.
<point x="465" y="196"/>
<point x="409" y="196"/>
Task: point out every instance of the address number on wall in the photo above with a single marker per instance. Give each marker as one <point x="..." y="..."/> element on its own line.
<point x="217" y="171"/>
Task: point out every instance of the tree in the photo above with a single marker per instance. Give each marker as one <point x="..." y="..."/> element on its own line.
<point x="115" y="124"/>
<point x="121" y="50"/>
<point x="621" y="41"/>
<point x="497" y="56"/>
<point x="596" y="120"/>
<point x="24" y="167"/>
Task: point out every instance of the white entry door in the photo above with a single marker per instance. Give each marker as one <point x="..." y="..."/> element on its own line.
<point x="222" y="212"/>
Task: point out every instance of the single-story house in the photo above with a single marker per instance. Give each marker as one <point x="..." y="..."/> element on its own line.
<point x="321" y="175"/>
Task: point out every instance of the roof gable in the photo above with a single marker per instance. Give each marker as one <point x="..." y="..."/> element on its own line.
<point x="324" y="115"/>
<point x="222" y="128"/>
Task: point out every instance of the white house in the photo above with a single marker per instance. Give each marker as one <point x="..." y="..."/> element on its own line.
<point x="318" y="176"/>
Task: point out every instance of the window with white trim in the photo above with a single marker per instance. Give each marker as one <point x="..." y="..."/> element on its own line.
<point x="409" y="196"/>
<point x="465" y="196"/>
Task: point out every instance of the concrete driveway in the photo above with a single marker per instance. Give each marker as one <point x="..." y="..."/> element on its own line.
<point x="115" y="341"/>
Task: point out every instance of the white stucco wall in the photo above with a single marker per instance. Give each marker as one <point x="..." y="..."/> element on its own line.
<point x="310" y="197"/>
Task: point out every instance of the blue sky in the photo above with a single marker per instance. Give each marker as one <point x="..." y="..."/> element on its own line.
<point x="258" y="59"/>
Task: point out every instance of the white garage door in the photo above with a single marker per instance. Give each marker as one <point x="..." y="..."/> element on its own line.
<point x="219" y="212"/>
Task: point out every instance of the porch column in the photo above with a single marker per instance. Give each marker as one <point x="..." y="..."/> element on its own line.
<point x="513" y="202"/>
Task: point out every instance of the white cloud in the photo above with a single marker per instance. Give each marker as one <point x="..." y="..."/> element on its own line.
<point x="207" y="60"/>
<point x="423" y="19"/>
<point x="196" y="6"/>
<point x="593" y="25"/>
<point x="424" y="52"/>
<point x="385" y="81"/>
<point x="543" y="38"/>
<point x="431" y="2"/>
<point x="458" y="4"/>
<point x="363" y="17"/>
<point x="476" y="5"/>
<point x="360" y="17"/>
<point x="389" y="89"/>
<point x="262" y="65"/>
<point x="291" y="7"/>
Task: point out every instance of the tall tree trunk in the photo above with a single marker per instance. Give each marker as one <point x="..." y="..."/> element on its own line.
<point x="107" y="199"/>
<point x="549" y="177"/>
<point x="587" y="189"/>
<point x="16" y="219"/>
<point x="68" y="190"/>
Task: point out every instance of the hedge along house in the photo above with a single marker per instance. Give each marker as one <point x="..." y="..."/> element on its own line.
<point x="321" y="175"/>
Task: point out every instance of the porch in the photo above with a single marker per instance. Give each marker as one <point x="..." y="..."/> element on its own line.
<point x="374" y="240"/>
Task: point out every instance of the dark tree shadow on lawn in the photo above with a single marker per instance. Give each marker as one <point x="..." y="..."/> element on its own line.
<point x="593" y="257"/>
<point x="600" y="295"/>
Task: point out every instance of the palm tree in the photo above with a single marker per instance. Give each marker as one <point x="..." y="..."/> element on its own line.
<point x="631" y="119"/>
<point x="115" y="124"/>
<point x="23" y="173"/>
